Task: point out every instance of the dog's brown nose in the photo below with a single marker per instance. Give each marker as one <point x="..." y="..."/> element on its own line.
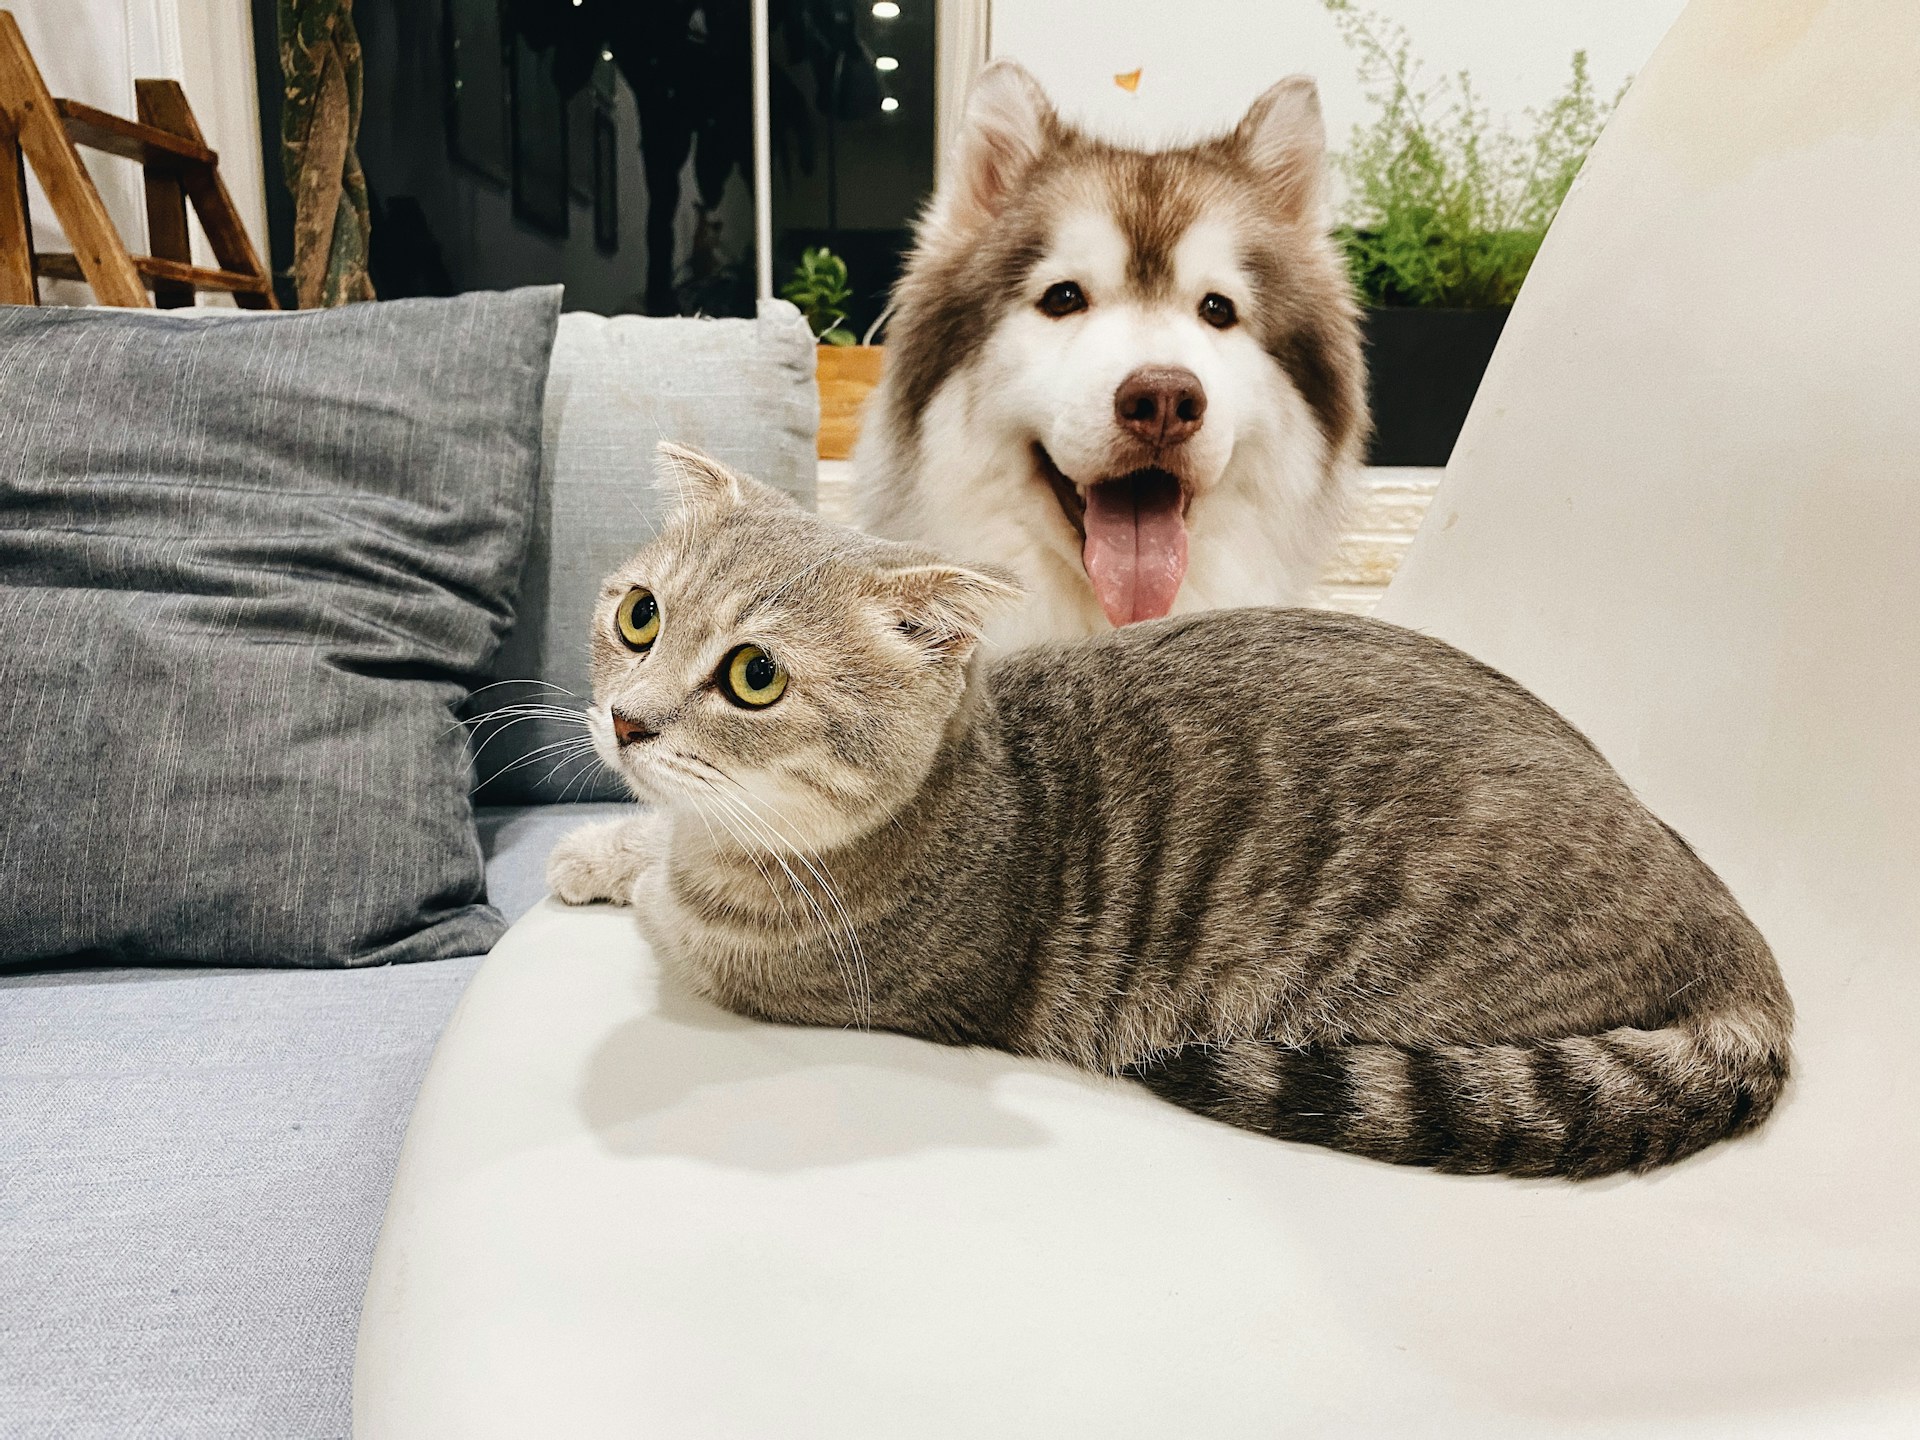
<point x="1161" y="404"/>
<point x="629" y="731"/>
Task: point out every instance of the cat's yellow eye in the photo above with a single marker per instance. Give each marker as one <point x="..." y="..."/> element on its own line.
<point x="752" y="677"/>
<point x="638" y="618"/>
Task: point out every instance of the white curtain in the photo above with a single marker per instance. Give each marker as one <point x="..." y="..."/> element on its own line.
<point x="93" y="50"/>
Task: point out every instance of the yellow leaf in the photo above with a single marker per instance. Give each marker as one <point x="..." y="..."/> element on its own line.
<point x="1128" y="82"/>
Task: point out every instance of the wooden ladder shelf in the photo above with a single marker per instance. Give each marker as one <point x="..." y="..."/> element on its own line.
<point x="166" y="143"/>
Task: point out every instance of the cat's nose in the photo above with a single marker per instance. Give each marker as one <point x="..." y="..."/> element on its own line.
<point x="629" y="731"/>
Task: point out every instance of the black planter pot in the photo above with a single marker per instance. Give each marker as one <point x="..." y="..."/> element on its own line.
<point x="1423" y="367"/>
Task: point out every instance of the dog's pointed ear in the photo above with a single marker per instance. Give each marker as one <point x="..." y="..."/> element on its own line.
<point x="700" y="482"/>
<point x="1283" y="136"/>
<point x="1008" y="122"/>
<point x="944" y="607"/>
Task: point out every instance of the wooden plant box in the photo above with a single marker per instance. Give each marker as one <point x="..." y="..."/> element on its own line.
<point x="846" y="375"/>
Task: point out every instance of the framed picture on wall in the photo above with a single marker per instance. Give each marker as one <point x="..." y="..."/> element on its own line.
<point x="478" y="124"/>
<point x="539" y="142"/>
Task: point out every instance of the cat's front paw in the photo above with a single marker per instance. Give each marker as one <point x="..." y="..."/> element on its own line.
<point x="594" y="863"/>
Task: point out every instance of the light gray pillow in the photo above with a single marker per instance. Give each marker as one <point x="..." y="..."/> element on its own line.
<point x="248" y="567"/>
<point x="741" y="390"/>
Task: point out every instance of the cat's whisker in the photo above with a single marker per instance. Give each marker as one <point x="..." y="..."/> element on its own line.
<point x="481" y="719"/>
<point x="527" y="708"/>
<point x="750" y="844"/>
<point x="565" y="760"/>
<point x="863" y="999"/>
<point x="583" y="779"/>
<point x="832" y="893"/>
<point x="747" y="849"/>
<point x="490" y="736"/>
<point x="563" y="716"/>
<point x="677" y="767"/>
<point x="505" y="720"/>
<point x="573" y="745"/>
<point x="571" y="750"/>
<point x="543" y="684"/>
<point x="762" y="839"/>
<point x="493" y="735"/>
<point x="847" y="954"/>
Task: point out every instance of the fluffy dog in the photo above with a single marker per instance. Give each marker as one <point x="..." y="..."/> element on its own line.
<point x="1133" y="378"/>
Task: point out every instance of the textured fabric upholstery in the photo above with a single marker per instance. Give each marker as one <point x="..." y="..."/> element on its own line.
<point x="742" y="390"/>
<point x="193" y="1167"/>
<point x="247" y="566"/>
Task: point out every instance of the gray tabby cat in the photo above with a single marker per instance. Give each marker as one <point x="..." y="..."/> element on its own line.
<point x="1316" y="876"/>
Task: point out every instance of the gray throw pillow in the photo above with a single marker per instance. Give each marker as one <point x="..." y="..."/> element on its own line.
<point x="741" y="390"/>
<point x="249" y="564"/>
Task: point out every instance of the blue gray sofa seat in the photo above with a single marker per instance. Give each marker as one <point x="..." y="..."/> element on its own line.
<point x="194" y="1162"/>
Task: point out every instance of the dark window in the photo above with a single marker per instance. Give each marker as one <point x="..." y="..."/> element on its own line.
<point x="606" y="144"/>
<point x="853" y="136"/>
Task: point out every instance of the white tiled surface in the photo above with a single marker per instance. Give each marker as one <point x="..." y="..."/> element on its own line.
<point x="1388" y="506"/>
<point x="835" y="491"/>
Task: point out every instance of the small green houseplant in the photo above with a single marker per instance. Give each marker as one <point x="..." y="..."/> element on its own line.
<point x="1444" y="211"/>
<point x="1445" y="206"/>
<point x="845" y="370"/>
<point x="819" y="287"/>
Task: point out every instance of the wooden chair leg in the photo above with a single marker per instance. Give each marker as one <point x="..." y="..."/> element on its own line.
<point x="163" y="104"/>
<point x="167" y="234"/>
<point x="16" y="239"/>
<point x="97" y="246"/>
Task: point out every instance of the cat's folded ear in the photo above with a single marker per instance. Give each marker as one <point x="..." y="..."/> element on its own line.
<point x="699" y="482"/>
<point x="944" y="607"/>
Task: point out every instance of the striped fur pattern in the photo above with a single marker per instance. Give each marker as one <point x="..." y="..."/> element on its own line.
<point x="1312" y="875"/>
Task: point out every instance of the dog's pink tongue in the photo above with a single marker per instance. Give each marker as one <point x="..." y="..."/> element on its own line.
<point x="1136" y="551"/>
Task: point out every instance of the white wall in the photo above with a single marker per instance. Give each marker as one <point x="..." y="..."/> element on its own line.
<point x="216" y="67"/>
<point x="93" y="50"/>
<point x="1203" y="60"/>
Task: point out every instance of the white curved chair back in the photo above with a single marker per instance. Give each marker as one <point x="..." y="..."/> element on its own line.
<point x="1686" y="506"/>
<point x="1686" y="511"/>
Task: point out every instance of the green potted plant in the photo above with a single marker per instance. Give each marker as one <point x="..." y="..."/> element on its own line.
<point x="845" y="370"/>
<point x="1444" y="212"/>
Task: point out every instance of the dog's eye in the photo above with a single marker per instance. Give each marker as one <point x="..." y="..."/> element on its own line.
<point x="638" y="619"/>
<point x="751" y="677"/>
<point x="1218" y="311"/>
<point x="1062" y="299"/>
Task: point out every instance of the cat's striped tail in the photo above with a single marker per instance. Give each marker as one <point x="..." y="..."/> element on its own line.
<point x="1577" y="1106"/>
